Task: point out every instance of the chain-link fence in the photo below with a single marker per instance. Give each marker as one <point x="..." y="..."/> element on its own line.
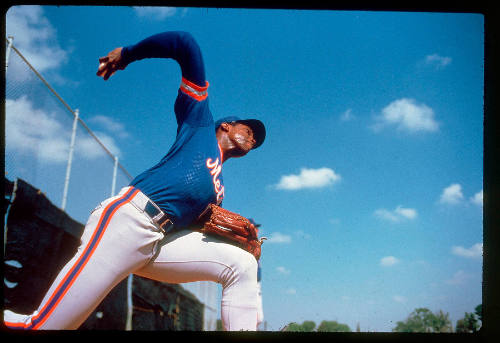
<point x="49" y="146"/>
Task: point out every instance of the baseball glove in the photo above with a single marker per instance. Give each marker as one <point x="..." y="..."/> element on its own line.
<point x="232" y="226"/>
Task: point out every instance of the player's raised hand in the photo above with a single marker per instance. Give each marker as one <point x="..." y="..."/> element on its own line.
<point x="109" y="64"/>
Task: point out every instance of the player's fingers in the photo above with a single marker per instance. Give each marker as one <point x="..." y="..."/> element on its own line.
<point x="108" y="74"/>
<point x="106" y="69"/>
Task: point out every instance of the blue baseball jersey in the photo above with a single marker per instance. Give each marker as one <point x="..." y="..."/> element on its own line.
<point x="189" y="176"/>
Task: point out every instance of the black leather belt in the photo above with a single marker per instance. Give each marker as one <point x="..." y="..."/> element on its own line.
<point x="159" y="218"/>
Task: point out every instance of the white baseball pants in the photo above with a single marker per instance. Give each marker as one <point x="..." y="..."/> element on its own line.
<point x="120" y="239"/>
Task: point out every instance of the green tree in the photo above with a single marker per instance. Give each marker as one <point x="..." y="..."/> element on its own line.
<point x="306" y="326"/>
<point x="423" y="320"/>
<point x="441" y="322"/>
<point x="470" y="322"/>
<point x="332" y="326"/>
<point x="325" y="326"/>
<point x="479" y="311"/>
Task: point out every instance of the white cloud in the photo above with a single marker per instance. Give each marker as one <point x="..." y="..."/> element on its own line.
<point x="155" y="13"/>
<point x="291" y="291"/>
<point x="34" y="131"/>
<point x="459" y="278"/>
<point x="386" y="214"/>
<point x="399" y="299"/>
<point x="309" y="178"/>
<point x="347" y="115"/>
<point x="396" y="215"/>
<point x="88" y="147"/>
<point x="408" y="213"/>
<point x="407" y="116"/>
<point x="282" y="270"/>
<point x="111" y="125"/>
<point x="35" y="38"/>
<point x="478" y="198"/>
<point x="474" y="251"/>
<point x="437" y="61"/>
<point x="277" y="237"/>
<point x="31" y="130"/>
<point x="388" y="261"/>
<point x="452" y="194"/>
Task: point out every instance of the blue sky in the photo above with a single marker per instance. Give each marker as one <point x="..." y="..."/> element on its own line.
<point x="369" y="184"/>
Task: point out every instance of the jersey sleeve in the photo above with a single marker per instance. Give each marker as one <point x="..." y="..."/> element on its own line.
<point x="191" y="106"/>
<point x="178" y="45"/>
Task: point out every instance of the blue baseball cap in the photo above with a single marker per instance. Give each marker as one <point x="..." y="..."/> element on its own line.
<point x="258" y="128"/>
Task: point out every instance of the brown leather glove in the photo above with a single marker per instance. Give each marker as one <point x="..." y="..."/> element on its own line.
<point x="236" y="228"/>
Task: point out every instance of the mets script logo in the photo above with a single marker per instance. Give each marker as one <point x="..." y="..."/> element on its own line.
<point x="215" y="168"/>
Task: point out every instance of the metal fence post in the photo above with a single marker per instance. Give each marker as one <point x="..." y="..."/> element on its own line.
<point x="70" y="159"/>
<point x="113" y="184"/>
<point x="130" y="305"/>
<point x="7" y="53"/>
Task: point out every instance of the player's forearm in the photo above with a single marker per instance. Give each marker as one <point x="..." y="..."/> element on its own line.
<point x="179" y="46"/>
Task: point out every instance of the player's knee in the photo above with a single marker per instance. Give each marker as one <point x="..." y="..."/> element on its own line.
<point x="247" y="267"/>
<point x="242" y="270"/>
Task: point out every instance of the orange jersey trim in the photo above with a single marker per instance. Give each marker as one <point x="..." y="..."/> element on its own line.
<point x="193" y="90"/>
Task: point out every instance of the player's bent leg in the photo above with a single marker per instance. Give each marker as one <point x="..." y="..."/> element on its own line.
<point x="239" y="305"/>
<point x="117" y="240"/>
<point x="188" y="256"/>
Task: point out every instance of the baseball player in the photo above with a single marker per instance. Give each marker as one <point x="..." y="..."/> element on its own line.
<point x="144" y="230"/>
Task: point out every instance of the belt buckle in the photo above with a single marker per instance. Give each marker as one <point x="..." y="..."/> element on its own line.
<point x="165" y="223"/>
<point x="158" y="217"/>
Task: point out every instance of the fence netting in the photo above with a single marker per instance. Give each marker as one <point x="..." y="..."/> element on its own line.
<point x="38" y="135"/>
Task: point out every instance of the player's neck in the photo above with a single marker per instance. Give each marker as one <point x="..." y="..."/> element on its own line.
<point x="227" y="148"/>
<point x="225" y="145"/>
